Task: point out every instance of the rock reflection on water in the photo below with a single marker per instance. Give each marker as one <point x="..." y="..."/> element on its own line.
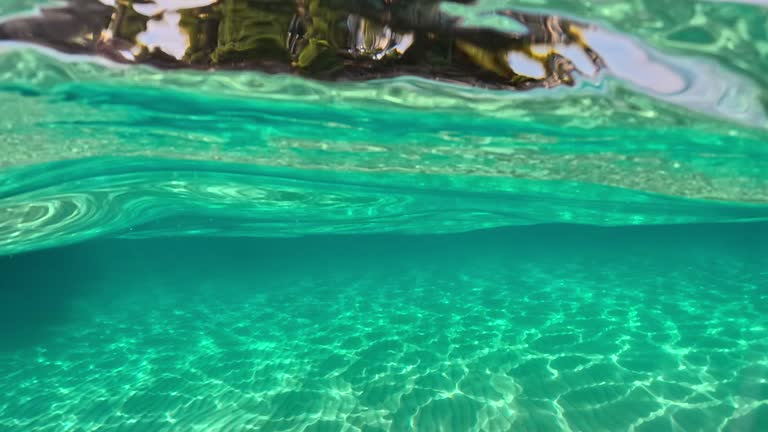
<point x="325" y="39"/>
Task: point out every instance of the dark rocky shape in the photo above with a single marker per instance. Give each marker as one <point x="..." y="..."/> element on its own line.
<point x="321" y="39"/>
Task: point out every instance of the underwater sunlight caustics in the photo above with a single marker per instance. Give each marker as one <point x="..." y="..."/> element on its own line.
<point x="383" y="215"/>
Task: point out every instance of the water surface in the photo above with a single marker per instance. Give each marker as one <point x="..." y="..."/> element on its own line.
<point x="233" y="215"/>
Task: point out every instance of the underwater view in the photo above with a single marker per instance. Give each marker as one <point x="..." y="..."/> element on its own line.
<point x="383" y="215"/>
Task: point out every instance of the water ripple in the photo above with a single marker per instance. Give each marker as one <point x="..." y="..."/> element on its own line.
<point x="496" y="341"/>
<point x="56" y="204"/>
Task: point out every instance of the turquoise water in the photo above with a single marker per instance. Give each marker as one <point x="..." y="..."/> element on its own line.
<point x="533" y="329"/>
<point x="217" y="247"/>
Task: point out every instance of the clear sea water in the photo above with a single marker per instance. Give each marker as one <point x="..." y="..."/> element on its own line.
<point x="234" y="250"/>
